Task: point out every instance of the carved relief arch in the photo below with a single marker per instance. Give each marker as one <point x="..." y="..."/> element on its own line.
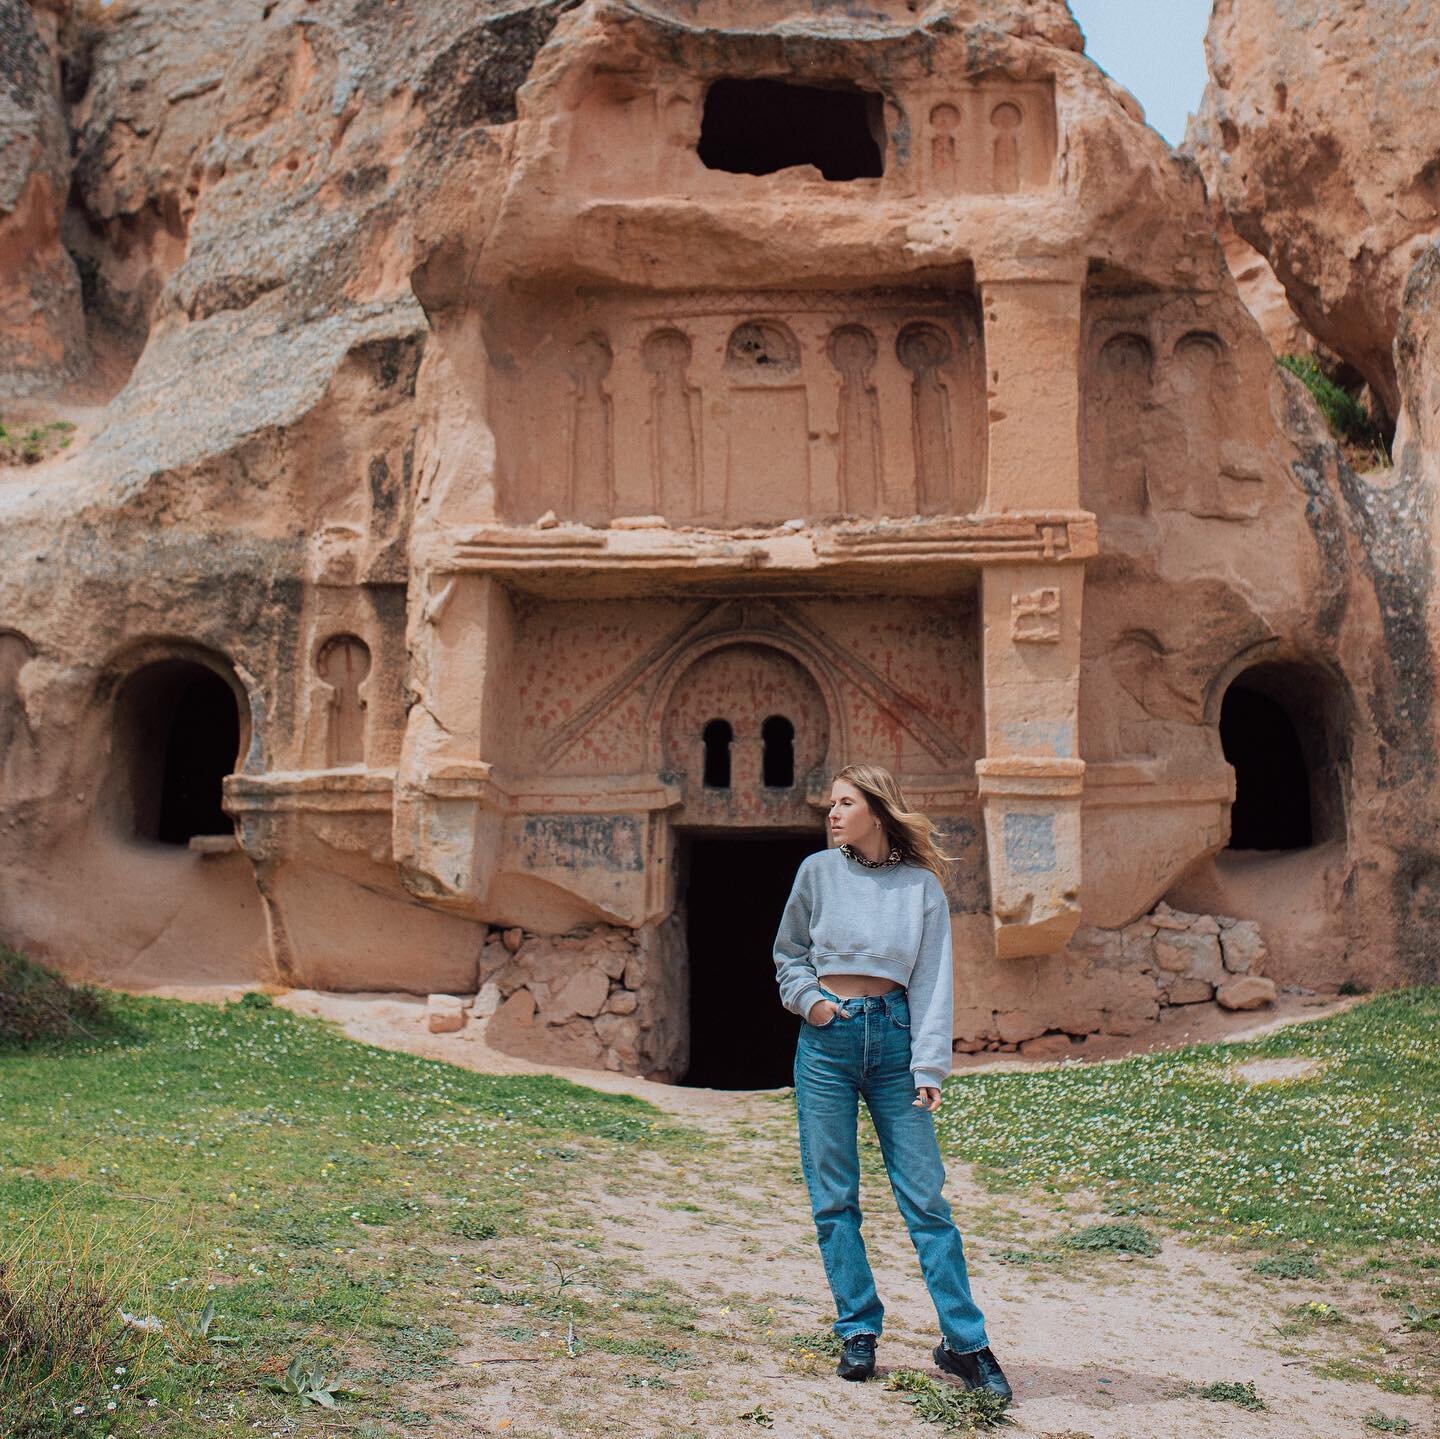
<point x="782" y="627"/>
<point x="744" y="677"/>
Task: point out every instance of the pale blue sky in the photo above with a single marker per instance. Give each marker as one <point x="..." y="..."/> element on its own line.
<point x="1155" y="49"/>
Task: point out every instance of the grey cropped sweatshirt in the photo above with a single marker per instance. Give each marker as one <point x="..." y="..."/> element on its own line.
<point x="844" y="918"/>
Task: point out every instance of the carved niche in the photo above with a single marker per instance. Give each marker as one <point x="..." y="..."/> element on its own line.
<point x="1118" y="404"/>
<point x="989" y="138"/>
<point x="343" y="665"/>
<point x="732" y="410"/>
<point x="1159" y="400"/>
<point x="674" y="424"/>
<point x="1218" y="479"/>
<point x="591" y="449"/>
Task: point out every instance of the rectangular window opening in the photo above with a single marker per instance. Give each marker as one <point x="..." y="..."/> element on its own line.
<point x="756" y="127"/>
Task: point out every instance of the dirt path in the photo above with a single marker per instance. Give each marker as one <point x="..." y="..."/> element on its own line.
<point x="721" y="1244"/>
<point x="1101" y="1346"/>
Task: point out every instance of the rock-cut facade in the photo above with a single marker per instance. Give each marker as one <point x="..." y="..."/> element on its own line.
<point x="543" y="444"/>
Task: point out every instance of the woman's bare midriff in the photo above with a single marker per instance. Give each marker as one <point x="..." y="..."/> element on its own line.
<point x="858" y="986"/>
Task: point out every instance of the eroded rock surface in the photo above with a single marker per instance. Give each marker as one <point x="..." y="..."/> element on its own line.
<point x="1320" y="137"/>
<point x="42" y="324"/>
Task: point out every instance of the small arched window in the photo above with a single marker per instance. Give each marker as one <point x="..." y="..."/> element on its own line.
<point x="717" y="737"/>
<point x="778" y="762"/>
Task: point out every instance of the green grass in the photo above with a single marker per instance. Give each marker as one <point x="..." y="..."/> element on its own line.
<point x="345" y="1204"/>
<point x="1344" y="414"/>
<point x="1346" y="1161"/>
<point x="38" y="1009"/>
<point x="1292" y="1265"/>
<point x="27" y="444"/>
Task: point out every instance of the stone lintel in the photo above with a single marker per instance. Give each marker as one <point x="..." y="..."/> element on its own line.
<point x="330" y="791"/>
<point x="907" y="556"/>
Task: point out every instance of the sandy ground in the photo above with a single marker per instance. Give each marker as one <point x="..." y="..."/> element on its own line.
<point x="1095" y="1345"/>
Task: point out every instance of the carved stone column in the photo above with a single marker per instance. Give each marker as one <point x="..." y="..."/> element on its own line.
<point x="449" y="816"/>
<point x="1031" y="776"/>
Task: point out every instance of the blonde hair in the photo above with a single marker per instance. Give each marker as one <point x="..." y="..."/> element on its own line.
<point x="906" y="829"/>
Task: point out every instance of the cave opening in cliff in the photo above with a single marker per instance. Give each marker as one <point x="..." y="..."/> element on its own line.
<point x="756" y="127"/>
<point x="178" y="733"/>
<point x="735" y="888"/>
<point x="1282" y="727"/>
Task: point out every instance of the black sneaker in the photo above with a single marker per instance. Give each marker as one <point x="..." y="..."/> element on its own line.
<point x="857" y="1358"/>
<point x="976" y="1371"/>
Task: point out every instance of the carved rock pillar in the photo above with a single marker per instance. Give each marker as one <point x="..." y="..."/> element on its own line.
<point x="449" y="814"/>
<point x="1031" y="776"/>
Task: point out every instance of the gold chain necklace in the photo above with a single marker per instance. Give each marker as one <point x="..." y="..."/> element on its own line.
<point x="892" y="858"/>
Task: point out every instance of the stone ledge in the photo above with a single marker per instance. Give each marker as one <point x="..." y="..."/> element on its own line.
<point x="686" y="555"/>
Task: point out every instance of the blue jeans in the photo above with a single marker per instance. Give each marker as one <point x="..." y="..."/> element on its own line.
<point x="865" y="1051"/>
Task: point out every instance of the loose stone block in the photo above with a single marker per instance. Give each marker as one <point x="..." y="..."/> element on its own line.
<point x="1186" y="990"/>
<point x="585" y="994"/>
<point x="1047" y="1046"/>
<point x="612" y="962"/>
<point x="1200" y="954"/>
<point x="487" y="1001"/>
<point x="1246" y="991"/>
<point x="445" y="1013"/>
<point x="1243" y="949"/>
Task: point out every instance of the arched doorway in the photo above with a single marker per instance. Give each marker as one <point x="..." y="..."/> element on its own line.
<point x="1282" y="728"/>
<point x="177" y="735"/>
<point x="746" y="730"/>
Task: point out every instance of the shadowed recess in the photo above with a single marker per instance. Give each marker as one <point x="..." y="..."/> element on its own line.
<point x="1272" y="785"/>
<point x="1285" y="726"/>
<point x="717" y="738"/>
<point x="778" y="757"/>
<point x="756" y="127"/>
<point x="735" y="891"/>
<point x="177" y="737"/>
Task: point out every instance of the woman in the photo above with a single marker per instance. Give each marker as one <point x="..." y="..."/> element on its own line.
<point x="863" y="957"/>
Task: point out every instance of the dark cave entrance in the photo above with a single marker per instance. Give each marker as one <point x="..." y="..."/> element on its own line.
<point x="756" y="127"/>
<point x="177" y="737"/>
<point x="735" y="889"/>
<point x="1283" y="728"/>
